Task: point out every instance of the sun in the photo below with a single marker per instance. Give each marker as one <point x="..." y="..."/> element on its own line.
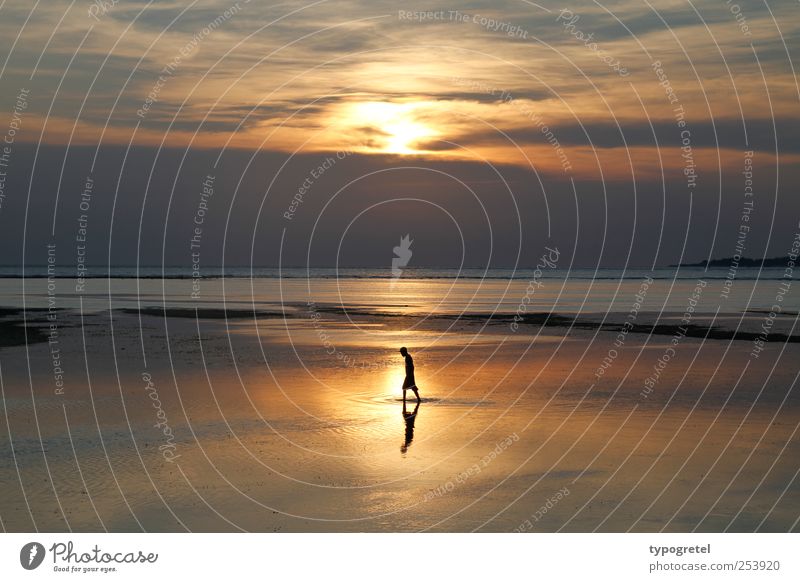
<point x="404" y="135"/>
<point x="395" y="125"/>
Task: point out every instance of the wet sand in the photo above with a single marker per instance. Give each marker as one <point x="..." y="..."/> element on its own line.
<point x="232" y="422"/>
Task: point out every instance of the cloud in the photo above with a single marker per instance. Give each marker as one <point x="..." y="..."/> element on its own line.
<point x="253" y="76"/>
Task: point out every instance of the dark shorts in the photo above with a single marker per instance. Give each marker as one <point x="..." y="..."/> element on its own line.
<point x="409" y="382"/>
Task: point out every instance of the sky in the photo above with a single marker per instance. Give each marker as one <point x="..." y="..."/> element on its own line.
<point x="626" y="133"/>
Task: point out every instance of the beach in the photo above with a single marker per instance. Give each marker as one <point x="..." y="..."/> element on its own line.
<point x="145" y="413"/>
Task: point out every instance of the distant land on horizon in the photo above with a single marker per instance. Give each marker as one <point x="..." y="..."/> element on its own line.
<point x="743" y="262"/>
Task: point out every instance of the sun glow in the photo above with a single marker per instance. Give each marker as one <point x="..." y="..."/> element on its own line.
<point x="393" y="381"/>
<point x="393" y="127"/>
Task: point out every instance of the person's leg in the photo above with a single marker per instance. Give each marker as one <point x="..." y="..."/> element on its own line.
<point x="416" y="393"/>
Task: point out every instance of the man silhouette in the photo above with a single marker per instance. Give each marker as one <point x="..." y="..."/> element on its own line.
<point x="409" y="418"/>
<point x="409" y="382"/>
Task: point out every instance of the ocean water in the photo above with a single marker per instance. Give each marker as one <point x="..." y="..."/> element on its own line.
<point x="279" y="428"/>
<point x="417" y="291"/>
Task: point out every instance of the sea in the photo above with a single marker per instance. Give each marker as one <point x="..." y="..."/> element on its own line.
<point x="417" y="291"/>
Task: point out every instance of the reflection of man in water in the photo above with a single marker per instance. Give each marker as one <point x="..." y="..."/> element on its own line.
<point x="409" y="417"/>
<point x="409" y="382"/>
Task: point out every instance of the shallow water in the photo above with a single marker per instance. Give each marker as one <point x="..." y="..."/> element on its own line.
<point x="579" y="291"/>
<point x="293" y="420"/>
<point x="274" y="431"/>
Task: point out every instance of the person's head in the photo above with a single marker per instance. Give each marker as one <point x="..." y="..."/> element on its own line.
<point x="403" y="352"/>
